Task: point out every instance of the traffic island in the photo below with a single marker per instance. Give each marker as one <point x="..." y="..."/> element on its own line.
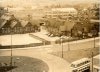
<point x="22" y="64"/>
<point x="6" y="68"/>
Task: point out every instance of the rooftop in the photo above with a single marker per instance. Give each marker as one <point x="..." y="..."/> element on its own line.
<point x="13" y="23"/>
<point x="6" y="17"/>
<point x="2" y="22"/>
<point x="24" y="22"/>
<point x="81" y="60"/>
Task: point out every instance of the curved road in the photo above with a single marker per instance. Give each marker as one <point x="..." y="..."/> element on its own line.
<point x="56" y="64"/>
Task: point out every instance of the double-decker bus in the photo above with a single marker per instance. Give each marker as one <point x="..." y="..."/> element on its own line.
<point x="82" y="65"/>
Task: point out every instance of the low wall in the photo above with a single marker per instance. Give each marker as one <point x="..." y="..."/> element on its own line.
<point x="21" y="46"/>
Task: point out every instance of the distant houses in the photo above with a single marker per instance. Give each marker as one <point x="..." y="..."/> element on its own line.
<point x="10" y="25"/>
<point x="61" y="13"/>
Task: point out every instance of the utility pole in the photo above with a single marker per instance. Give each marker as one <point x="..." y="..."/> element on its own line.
<point x="11" y="50"/>
<point x="92" y="62"/>
<point x="94" y="41"/>
<point x="68" y="45"/>
<point x="94" y="34"/>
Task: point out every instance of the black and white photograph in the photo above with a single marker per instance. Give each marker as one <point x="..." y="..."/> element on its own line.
<point x="49" y="36"/>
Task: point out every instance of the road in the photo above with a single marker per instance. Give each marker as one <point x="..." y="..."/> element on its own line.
<point x="56" y="64"/>
<point x="79" y="44"/>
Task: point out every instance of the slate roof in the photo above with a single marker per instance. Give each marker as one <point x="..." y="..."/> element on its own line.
<point x="13" y="23"/>
<point x="24" y="23"/>
<point x="6" y="17"/>
<point x="2" y="22"/>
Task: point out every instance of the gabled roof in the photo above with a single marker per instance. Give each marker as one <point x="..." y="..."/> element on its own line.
<point x="2" y="22"/>
<point x="6" y="17"/>
<point x="13" y="23"/>
<point x="24" y="23"/>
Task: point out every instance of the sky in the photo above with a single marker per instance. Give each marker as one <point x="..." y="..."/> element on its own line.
<point x="40" y="2"/>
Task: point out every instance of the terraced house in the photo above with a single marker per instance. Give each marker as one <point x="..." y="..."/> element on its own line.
<point x="10" y="25"/>
<point x="5" y="21"/>
<point x="27" y="27"/>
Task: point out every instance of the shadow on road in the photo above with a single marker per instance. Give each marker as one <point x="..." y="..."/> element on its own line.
<point x="7" y="68"/>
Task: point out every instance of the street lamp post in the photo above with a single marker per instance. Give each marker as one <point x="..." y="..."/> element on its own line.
<point x="68" y="44"/>
<point x="94" y="34"/>
<point x="62" y="54"/>
<point x="92" y="62"/>
<point x="94" y="41"/>
<point x="11" y="50"/>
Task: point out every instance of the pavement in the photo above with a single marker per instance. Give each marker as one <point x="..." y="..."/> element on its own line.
<point x="17" y="39"/>
<point x="45" y="37"/>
